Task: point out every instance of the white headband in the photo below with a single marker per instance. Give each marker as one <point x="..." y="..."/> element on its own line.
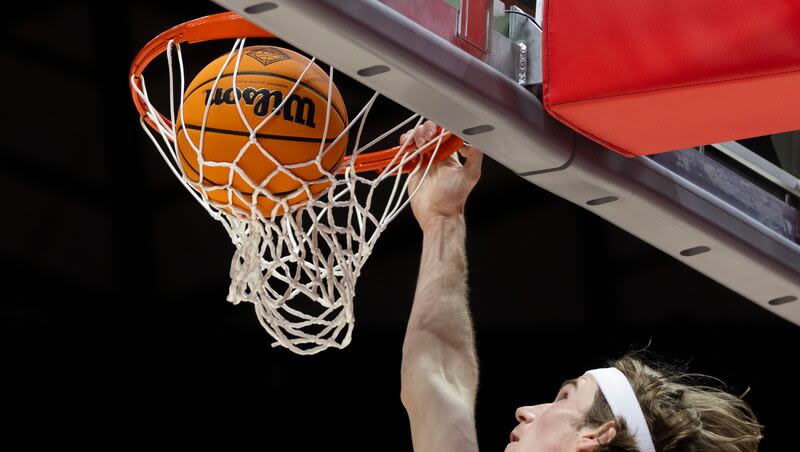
<point x="620" y="397"/>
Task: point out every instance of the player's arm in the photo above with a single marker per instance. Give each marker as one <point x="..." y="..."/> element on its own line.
<point x="439" y="376"/>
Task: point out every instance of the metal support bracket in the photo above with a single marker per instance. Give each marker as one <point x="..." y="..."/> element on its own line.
<point x="526" y="36"/>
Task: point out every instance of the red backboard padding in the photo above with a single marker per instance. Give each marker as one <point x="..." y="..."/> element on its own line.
<point x="647" y="76"/>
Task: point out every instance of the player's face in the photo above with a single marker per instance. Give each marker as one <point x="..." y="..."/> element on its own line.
<point x="554" y="426"/>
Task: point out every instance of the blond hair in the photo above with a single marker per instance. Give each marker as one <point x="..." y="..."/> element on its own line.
<point x="682" y="414"/>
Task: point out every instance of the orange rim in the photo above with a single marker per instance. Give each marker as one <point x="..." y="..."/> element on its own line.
<point x="231" y="26"/>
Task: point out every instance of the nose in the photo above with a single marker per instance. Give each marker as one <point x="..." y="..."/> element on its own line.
<point x="527" y="414"/>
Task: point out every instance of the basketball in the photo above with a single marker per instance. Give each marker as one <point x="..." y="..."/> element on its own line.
<point x="239" y="171"/>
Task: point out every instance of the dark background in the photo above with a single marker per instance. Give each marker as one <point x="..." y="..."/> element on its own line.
<point x="113" y="320"/>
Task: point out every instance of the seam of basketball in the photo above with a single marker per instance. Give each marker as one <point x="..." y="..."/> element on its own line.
<point x="242" y="133"/>
<point x="205" y="179"/>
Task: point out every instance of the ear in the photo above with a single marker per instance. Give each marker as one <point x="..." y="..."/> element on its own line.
<point x="590" y="439"/>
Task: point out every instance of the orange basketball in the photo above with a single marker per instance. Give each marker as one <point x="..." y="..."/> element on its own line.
<point x="292" y="136"/>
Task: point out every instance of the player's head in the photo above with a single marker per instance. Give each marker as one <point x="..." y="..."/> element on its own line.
<point x="634" y="407"/>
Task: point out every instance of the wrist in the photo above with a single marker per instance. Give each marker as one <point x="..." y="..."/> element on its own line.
<point x="442" y="222"/>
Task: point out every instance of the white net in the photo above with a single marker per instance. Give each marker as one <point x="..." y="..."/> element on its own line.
<point x="298" y="263"/>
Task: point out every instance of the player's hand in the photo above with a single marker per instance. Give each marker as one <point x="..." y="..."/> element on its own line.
<point x="444" y="191"/>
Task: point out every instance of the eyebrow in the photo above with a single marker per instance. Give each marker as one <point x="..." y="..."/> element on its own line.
<point x="573" y="382"/>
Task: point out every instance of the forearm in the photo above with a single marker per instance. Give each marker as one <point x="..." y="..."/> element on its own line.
<point x="439" y="341"/>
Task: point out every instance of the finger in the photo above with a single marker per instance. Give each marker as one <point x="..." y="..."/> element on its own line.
<point x="466" y="149"/>
<point x="430" y="129"/>
<point x="472" y="164"/>
<point x="419" y="135"/>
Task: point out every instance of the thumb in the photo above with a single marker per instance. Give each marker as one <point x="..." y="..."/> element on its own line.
<point x="474" y="159"/>
<point x="414" y="180"/>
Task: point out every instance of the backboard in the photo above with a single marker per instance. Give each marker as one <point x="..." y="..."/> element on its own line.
<point x="475" y="69"/>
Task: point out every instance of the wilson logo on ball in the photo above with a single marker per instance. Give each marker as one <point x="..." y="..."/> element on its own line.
<point x="298" y="109"/>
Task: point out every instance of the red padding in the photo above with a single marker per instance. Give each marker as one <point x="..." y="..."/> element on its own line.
<point x="649" y="76"/>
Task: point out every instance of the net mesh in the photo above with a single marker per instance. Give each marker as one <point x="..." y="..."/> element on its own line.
<point x="298" y="264"/>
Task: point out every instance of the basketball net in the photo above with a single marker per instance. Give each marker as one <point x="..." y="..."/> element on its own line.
<point x="299" y="265"/>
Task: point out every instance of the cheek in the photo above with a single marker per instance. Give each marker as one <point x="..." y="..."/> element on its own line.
<point x="548" y="434"/>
